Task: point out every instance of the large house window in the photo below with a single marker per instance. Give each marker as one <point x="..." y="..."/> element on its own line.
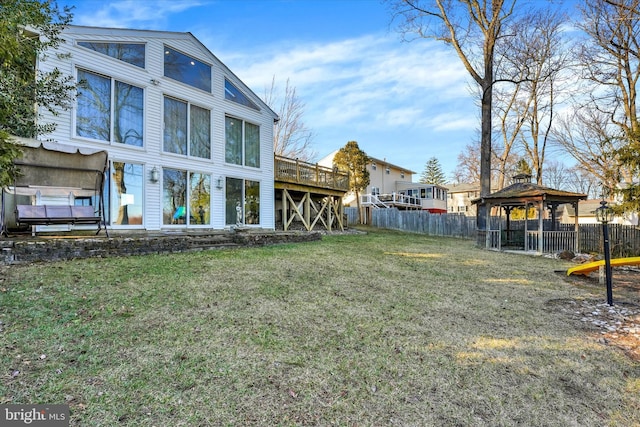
<point x="234" y="94"/>
<point x="185" y="122"/>
<point x="242" y="142"/>
<point x="242" y="201"/>
<point x="109" y="110"/>
<point x="186" y="197"/>
<point x="186" y="69"/>
<point x="132" y="53"/>
<point x="126" y="196"/>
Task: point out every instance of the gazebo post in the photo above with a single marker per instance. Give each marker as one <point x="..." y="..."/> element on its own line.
<point x="526" y="226"/>
<point x="541" y="227"/>
<point x="488" y="225"/>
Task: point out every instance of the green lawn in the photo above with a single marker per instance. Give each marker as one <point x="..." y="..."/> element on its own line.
<point x="354" y="330"/>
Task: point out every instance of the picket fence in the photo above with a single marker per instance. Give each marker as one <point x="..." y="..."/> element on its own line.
<point x="624" y="239"/>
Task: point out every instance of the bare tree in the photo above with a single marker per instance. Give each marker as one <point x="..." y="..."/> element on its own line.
<point x="582" y="181"/>
<point x="537" y="57"/>
<point x="556" y="175"/>
<point x="472" y="28"/>
<point x="586" y="136"/>
<point x="291" y="137"/>
<point x="610" y="60"/>
<point x="467" y="170"/>
<point x="510" y="117"/>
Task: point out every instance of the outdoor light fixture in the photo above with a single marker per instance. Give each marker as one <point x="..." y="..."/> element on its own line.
<point x="604" y="214"/>
<point x="219" y="183"/>
<point x="154" y="175"/>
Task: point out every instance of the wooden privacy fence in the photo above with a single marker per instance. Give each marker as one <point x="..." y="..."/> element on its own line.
<point x="624" y="240"/>
<point x="425" y="222"/>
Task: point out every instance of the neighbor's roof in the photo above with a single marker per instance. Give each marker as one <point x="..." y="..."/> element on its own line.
<point x="462" y="187"/>
<point x="391" y="165"/>
<point x="585" y="207"/>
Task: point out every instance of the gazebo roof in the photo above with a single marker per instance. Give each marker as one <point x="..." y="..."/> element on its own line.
<point x="522" y="192"/>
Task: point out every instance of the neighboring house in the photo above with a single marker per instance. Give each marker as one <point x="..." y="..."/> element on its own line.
<point x="189" y="144"/>
<point x="392" y="186"/>
<point x="586" y="214"/>
<point x="460" y="197"/>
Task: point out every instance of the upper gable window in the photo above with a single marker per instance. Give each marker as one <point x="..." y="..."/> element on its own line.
<point x="132" y="53"/>
<point x="186" y="69"/>
<point x="234" y="94"/>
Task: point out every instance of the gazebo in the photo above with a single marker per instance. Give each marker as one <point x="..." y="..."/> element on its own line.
<point x="524" y="194"/>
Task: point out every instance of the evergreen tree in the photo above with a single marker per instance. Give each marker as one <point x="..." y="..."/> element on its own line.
<point x="629" y="158"/>
<point x="523" y="168"/>
<point x="27" y="29"/>
<point x="432" y="173"/>
<point x="352" y="159"/>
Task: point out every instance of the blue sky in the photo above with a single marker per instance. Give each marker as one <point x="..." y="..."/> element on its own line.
<point x="403" y="102"/>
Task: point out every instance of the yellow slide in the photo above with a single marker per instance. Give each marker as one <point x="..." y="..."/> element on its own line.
<point x="593" y="266"/>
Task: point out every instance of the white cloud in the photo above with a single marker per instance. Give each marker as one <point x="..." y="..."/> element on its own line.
<point x="453" y="121"/>
<point x="371" y="81"/>
<point x="134" y="13"/>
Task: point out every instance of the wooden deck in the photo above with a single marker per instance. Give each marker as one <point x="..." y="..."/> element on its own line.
<point x="295" y="174"/>
<point x="309" y="194"/>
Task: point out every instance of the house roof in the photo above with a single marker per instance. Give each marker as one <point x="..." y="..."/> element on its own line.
<point x="521" y="192"/>
<point x="328" y="160"/>
<point x="384" y="162"/>
<point x="462" y="187"/>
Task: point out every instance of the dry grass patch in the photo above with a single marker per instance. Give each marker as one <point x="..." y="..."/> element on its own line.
<point x="378" y="329"/>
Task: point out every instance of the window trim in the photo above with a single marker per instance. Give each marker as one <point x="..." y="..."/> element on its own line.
<point x="237" y="98"/>
<point x="244" y="181"/>
<point x="243" y="142"/>
<point x="209" y="86"/>
<point x="187" y="202"/>
<point x="111" y="141"/>
<point x="109" y="195"/>
<point x="138" y="67"/>
<point x="189" y="104"/>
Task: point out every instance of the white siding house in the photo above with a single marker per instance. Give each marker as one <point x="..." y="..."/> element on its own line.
<point x="391" y="186"/>
<point x="190" y="145"/>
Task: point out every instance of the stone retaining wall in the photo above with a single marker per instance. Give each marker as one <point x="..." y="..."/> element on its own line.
<point x="23" y="250"/>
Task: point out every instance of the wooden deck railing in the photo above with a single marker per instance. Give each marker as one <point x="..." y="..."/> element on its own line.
<point x="299" y="172"/>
